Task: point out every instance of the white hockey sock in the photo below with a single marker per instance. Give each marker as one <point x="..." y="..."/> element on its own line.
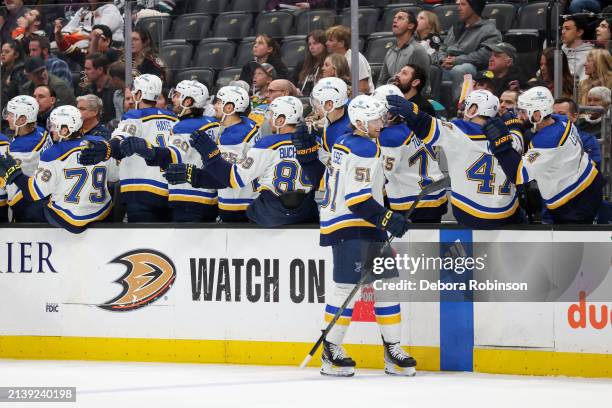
<point x="389" y="319"/>
<point x="334" y="301"/>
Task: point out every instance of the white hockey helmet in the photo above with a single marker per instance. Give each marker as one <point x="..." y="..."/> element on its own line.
<point x="329" y="89"/>
<point x="22" y="105"/>
<point x="365" y="109"/>
<point x="383" y="91"/>
<point x="536" y="99"/>
<point x="288" y="106"/>
<point x="64" y="121"/>
<point x="194" y="90"/>
<point x="150" y="87"/>
<point x="235" y="95"/>
<point x="487" y="104"/>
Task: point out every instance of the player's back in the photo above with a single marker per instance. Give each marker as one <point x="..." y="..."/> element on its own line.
<point x="353" y="175"/>
<point x="482" y="196"/>
<point x="4" y="146"/>
<point x="78" y="194"/>
<point x="139" y="182"/>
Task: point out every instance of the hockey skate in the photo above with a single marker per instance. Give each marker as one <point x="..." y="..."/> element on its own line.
<point x="397" y="361"/>
<point x="335" y="361"/>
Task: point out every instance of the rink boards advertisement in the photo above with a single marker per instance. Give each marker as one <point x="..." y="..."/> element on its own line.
<point x="257" y="296"/>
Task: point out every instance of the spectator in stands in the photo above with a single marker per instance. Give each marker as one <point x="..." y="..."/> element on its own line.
<point x="411" y="80"/>
<point x="580" y="6"/>
<point x="12" y="71"/>
<point x="265" y="49"/>
<point x="96" y="72"/>
<point x="484" y="80"/>
<point x="567" y="107"/>
<point x="464" y="49"/>
<point x="507" y="101"/>
<point x="336" y="65"/>
<point x="262" y="77"/>
<point x="91" y="108"/>
<point x="590" y="122"/>
<point x="37" y="75"/>
<point x="546" y="73"/>
<point x="97" y="12"/>
<point x="31" y="24"/>
<point x="145" y="57"/>
<point x="574" y="48"/>
<point x="276" y="89"/>
<point x="116" y="73"/>
<point x="153" y="8"/>
<point x="40" y="47"/>
<point x="598" y="70"/>
<point x="339" y="41"/>
<point x="46" y="99"/>
<point x="303" y="5"/>
<point x="603" y="33"/>
<point x="101" y="40"/>
<point x="128" y="100"/>
<point x="502" y="63"/>
<point x="15" y="10"/>
<point x="428" y="31"/>
<point x="310" y="71"/>
<point x="406" y="49"/>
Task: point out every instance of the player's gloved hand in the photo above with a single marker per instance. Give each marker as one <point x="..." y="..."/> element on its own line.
<point x="182" y="173"/>
<point x="396" y="224"/>
<point x="399" y="106"/>
<point x="9" y="170"/>
<point x="500" y="138"/>
<point x="305" y="143"/>
<point x="511" y="121"/>
<point x="207" y="148"/>
<point x="136" y="145"/>
<point x="95" y="152"/>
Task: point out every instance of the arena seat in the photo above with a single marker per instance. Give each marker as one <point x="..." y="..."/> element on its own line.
<point x="502" y="13"/>
<point x="234" y="25"/>
<point x="177" y="56"/>
<point x="277" y="24"/>
<point x="216" y="54"/>
<point x="191" y="27"/>
<point x="226" y="76"/>
<point x="376" y="48"/>
<point x="208" y="6"/>
<point x="368" y="20"/>
<point x="448" y="14"/>
<point x="387" y="19"/>
<point x="532" y="15"/>
<point x="245" y="51"/>
<point x="159" y="27"/>
<point x="308" y="21"/>
<point x="528" y="44"/>
<point x="203" y="75"/>
<point x="293" y="50"/>
<point x="251" y="6"/>
<point x="376" y="68"/>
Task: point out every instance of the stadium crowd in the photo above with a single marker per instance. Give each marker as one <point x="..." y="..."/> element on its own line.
<point x="63" y="81"/>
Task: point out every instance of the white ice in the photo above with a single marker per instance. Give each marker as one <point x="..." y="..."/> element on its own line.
<point x="136" y="385"/>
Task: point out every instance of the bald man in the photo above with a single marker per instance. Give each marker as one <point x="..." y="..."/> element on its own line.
<point x="277" y="88"/>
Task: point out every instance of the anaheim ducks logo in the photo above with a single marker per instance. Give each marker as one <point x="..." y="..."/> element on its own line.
<point x="150" y="274"/>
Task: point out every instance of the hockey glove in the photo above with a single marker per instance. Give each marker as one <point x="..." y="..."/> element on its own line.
<point x="182" y="173"/>
<point x="511" y="121"/>
<point x="9" y="170"/>
<point x="306" y="145"/>
<point x="500" y="138"/>
<point x="399" y="106"/>
<point x="94" y="153"/>
<point x="136" y="145"/>
<point x="396" y="224"/>
<point x="207" y="148"/>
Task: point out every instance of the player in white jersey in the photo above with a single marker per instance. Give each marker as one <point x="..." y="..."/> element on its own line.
<point x="286" y="197"/>
<point x="409" y="166"/>
<point x="78" y="194"/>
<point x="482" y="197"/>
<point x="354" y="223"/>
<point x="569" y="182"/>
<point x="4" y="145"/>
<point x="237" y="135"/>
<point x="187" y="203"/>
<point x="28" y="144"/>
<point x="143" y="189"/>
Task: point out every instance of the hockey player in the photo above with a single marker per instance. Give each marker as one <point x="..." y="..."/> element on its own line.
<point x="4" y="145"/>
<point x="409" y="166"/>
<point x="353" y="220"/>
<point x="143" y="189"/>
<point x="482" y="197"/>
<point x="286" y="194"/>
<point x="28" y="143"/>
<point x="78" y="194"/>
<point x="187" y="203"/>
<point x="569" y="182"/>
<point x="237" y="134"/>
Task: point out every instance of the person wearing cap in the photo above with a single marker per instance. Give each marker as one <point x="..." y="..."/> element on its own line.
<point x="263" y="75"/>
<point x="464" y="49"/>
<point x="37" y="75"/>
<point x="508" y="75"/>
<point x="39" y="46"/>
<point x="484" y="80"/>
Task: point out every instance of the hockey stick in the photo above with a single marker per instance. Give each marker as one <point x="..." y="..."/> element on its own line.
<point x="428" y="189"/>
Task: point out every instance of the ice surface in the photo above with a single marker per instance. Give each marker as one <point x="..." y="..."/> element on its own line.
<point x="151" y="385"/>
